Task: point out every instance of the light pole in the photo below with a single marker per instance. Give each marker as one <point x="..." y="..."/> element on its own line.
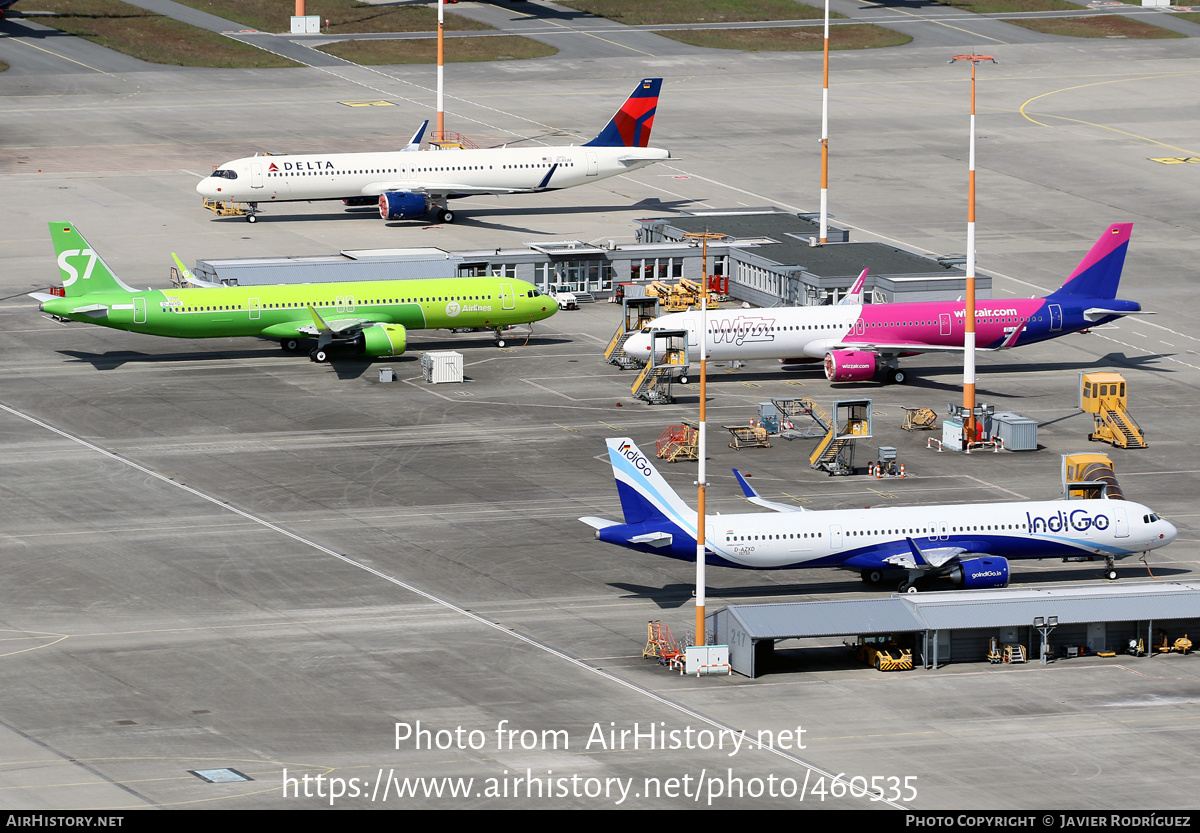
<point x="969" y="429"/>
<point x="825" y="138"/>
<point x="701" y="480"/>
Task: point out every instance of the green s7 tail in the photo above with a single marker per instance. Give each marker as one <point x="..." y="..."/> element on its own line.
<point x="83" y="271"/>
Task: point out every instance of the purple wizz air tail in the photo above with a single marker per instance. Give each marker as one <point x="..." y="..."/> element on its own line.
<point x="860" y="342"/>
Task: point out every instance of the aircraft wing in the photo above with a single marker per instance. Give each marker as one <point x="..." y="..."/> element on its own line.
<point x="918" y="558"/>
<point x="417" y="186"/>
<point x="911" y="346"/>
<point x="336" y="327"/>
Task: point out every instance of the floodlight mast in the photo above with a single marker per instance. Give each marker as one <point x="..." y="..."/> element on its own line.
<point x="701" y="439"/>
<point x="825" y="138"/>
<point x="441" y="111"/>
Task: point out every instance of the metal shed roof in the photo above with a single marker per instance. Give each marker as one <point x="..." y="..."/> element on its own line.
<point x="963" y="609"/>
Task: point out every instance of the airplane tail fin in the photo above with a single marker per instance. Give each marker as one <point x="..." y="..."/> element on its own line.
<point x="83" y="271"/>
<point x="1099" y="273"/>
<point x="645" y="495"/>
<point x="630" y="127"/>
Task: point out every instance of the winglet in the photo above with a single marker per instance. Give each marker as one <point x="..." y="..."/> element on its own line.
<point x="747" y="489"/>
<point x="541" y="186"/>
<point x="415" y="142"/>
<point x="855" y="293"/>
<point x="189" y="277"/>
<point x="318" y="321"/>
<point x="755" y="498"/>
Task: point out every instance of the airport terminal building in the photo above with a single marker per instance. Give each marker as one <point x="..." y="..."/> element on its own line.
<point x="769" y="256"/>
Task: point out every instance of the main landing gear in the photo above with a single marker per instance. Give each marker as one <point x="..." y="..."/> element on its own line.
<point x="1110" y="570"/>
<point x="445" y="215"/>
<point x="320" y="355"/>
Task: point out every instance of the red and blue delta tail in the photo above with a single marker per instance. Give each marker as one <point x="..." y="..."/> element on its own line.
<point x="1099" y="273"/>
<point x="630" y="127"/>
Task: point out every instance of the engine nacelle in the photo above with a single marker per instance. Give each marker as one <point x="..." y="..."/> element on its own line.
<point x="401" y="205"/>
<point x="849" y="366"/>
<point x="383" y="340"/>
<point x="980" y="573"/>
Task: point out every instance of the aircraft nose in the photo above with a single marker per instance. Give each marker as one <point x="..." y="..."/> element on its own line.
<point x="1169" y="534"/>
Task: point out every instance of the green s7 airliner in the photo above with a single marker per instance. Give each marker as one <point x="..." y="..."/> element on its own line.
<point x="371" y="316"/>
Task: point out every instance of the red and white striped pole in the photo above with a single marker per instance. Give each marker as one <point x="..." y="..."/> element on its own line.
<point x="969" y="427"/>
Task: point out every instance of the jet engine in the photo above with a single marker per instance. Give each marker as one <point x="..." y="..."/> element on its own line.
<point x="849" y="366"/>
<point x="978" y="573"/>
<point x="401" y="205"/>
<point x="383" y="340"/>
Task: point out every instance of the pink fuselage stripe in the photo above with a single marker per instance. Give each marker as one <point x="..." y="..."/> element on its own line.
<point x="939" y="324"/>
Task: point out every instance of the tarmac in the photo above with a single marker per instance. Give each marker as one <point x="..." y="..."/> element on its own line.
<point x="220" y="556"/>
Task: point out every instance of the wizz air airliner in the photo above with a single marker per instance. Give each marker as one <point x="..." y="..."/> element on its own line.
<point x="860" y="342"/>
<point x="410" y="185"/>
<point x="969" y="544"/>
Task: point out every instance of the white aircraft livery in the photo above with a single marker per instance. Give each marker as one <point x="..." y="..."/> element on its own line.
<point x="969" y="544"/>
<point x="409" y="185"/>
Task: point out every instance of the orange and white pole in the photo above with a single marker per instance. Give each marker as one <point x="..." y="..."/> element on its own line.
<point x="969" y="427"/>
<point x="825" y="138"/>
<point x="702" y="440"/>
<point x="441" y="114"/>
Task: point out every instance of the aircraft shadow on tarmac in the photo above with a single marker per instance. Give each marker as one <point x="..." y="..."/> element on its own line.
<point x="348" y="365"/>
<point x="466" y="216"/>
<point x="674" y="596"/>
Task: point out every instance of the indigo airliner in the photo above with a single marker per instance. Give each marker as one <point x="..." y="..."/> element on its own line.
<point x="969" y="544"/>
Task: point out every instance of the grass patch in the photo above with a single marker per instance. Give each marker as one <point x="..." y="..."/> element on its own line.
<point x="344" y="16"/>
<point x="1192" y="16"/>
<point x="808" y="39"/>
<point x="424" y="50"/>
<point x="1006" y="6"/>
<point x="152" y="37"/>
<point x="659" y="12"/>
<point x="1104" y="26"/>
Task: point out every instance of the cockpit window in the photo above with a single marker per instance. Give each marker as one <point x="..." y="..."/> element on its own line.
<point x="225" y="174"/>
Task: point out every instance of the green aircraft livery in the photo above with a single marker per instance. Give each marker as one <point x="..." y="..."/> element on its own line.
<point x="372" y="316"/>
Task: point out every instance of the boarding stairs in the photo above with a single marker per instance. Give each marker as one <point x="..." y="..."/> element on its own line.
<point x="615" y="352"/>
<point x="801" y="419"/>
<point x="653" y="384"/>
<point x="834" y="455"/>
<point x="851" y="421"/>
<point x="1119" y="428"/>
